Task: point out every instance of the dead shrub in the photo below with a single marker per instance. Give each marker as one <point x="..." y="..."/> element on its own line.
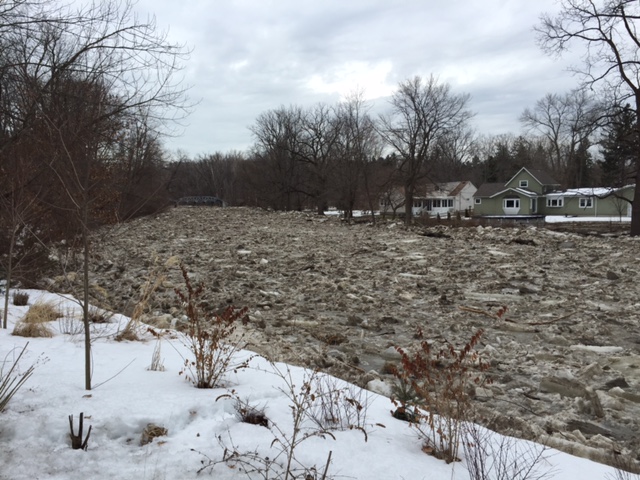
<point x="98" y="315"/>
<point x="490" y="456"/>
<point x="20" y="299"/>
<point x="250" y="414"/>
<point x="12" y="380"/>
<point x="210" y="336"/>
<point x="68" y="325"/>
<point x="34" y="323"/>
<point x="282" y="461"/>
<point x="435" y="384"/>
<point x="338" y="405"/>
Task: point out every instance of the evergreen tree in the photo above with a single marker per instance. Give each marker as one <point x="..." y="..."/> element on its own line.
<point x="619" y="149"/>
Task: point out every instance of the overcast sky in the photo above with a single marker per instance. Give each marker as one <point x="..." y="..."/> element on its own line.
<point x="250" y="56"/>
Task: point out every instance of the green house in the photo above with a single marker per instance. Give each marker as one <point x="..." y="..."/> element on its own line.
<point x="591" y="202"/>
<point x="523" y="195"/>
<point x="534" y="193"/>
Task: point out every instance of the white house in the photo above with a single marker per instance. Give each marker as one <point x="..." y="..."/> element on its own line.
<point x="435" y="199"/>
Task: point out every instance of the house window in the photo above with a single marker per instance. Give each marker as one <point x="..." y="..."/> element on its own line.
<point x="511" y="203"/>
<point x="417" y="203"/>
<point x="524" y="183"/>
<point x="478" y="201"/>
<point x="442" y="203"/>
<point x="586" y="202"/>
<point x="555" y="202"/>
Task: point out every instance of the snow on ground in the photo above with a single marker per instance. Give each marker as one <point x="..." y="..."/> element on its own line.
<point x="563" y="219"/>
<point x="34" y="429"/>
<point x="547" y="219"/>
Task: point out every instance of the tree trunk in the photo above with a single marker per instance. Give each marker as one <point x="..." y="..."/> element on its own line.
<point x="7" y="284"/>
<point x="85" y="293"/>
<point x="408" y="205"/>
<point x="367" y="190"/>
<point x="635" y="204"/>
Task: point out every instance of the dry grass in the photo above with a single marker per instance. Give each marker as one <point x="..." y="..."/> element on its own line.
<point x="35" y="322"/>
<point x="155" y="279"/>
<point x="41" y="312"/>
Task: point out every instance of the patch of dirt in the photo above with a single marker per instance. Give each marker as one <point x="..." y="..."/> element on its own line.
<point x="565" y="358"/>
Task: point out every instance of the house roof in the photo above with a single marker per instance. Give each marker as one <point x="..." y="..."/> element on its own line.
<point x="540" y="175"/>
<point x="489" y="189"/>
<point x="461" y="187"/>
<point x="448" y="189"/>
<point x="522" y="191"/>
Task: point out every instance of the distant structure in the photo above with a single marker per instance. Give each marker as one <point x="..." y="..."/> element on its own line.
<point x="432" y="199"/>
<point x="201" y="200"/>
<point x="535" y="194"/>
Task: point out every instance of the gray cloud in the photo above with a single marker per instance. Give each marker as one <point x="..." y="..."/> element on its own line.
<point x="253" y="55"/>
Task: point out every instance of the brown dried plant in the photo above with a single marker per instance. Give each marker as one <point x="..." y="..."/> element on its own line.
<point x="439" y="381"/>
<point x="154" y="280"/>
<point x="35" y="322"/>
<point x="210" y="336"/>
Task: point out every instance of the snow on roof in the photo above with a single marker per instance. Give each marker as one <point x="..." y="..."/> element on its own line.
<point x="587" y="192"/>
<point x="523" y="191"/>
<point x="526" y="192"/>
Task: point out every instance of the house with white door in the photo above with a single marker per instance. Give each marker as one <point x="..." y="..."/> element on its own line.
<point x="534" y="193"/>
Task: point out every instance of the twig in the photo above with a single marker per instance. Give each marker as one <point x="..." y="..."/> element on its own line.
<point x="326" y="467"/>
<point x="115" y="375"/>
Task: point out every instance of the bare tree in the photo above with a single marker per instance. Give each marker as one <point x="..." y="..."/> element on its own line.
<point x="18" y="213"/>
<point x="140" y="177"/>
<point x="78" y="78"/>
<point x="320" y="130"/>
<point x="609" y="31"/>
<point x="618" y="147"/>
<point x="357" y="147"/>
<point x="566" y="122"/>
<point x="277" y="172"/>
<point x="422" y="113"/>
<point x="453" y="152"/>
<point x="218" y="175"/>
